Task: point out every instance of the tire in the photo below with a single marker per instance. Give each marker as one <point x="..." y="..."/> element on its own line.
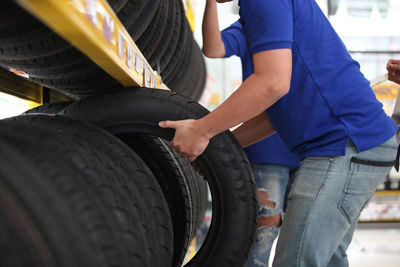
<point x="174" y="184"/>
<point x="140" y="17"/>
<point x="159" y="43"/>
<point x="173" y="44"/>
<point x="224" y="164"/>
<point x="95" y="82"/>
<point x="53" y="62"/>
<point x="190" y="78"/>
<point x="123" y="181"/>
<point x="48" y="108"/>
<point x="169" y="37"/>
<point x="154" y="31"/>
<point x="176" y="74"/>
<point x="34" y="231"/>
<point x="196" y="183"/>
<point x="23" y="37"/>
<point x="63" y="219"/>
<point x="169" y="62"/>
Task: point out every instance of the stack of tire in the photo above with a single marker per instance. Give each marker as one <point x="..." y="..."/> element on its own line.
<point x="88" y="184"/>
<point x="158" y="27"/>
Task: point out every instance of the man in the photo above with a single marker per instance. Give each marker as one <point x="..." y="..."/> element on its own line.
<point x="393" y="68"/>
<point x="272" y="163"/>
<point x="307" y="87"/>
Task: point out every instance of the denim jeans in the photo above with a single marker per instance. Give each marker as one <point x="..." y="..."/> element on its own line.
<point x="325" y="202"/>
<point x="273" y="180"/>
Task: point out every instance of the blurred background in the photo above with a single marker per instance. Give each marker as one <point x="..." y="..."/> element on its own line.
<point x="370" y="30"/>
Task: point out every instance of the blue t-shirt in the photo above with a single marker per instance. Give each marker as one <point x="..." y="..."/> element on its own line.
<point x="330" y="101"/>
<point x="272" y="149"/>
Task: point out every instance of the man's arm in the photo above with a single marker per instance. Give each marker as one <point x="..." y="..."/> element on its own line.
<point x="393" y="68"/>
<point x="269" y="82"/>
<point x="213" y="47"/>
<point x="254" y="130"/>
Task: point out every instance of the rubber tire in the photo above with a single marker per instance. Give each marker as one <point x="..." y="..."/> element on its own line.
<point x="173" y="181"/>
<point x="154" y="31"/>
<point x="169" y="37"/>
<point x="48" y="108"/>
<point x="177" y="35"/>
<point x="124" y="182"/>
<point x="37" y="232"/>
<point x="190" y="77"/>
<point x="197" y="184"/>
<point x="226" y="168"/>
<point x="52" y="62"/>
<point x="60" y="206"/>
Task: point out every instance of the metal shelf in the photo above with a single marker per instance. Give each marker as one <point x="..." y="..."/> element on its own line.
<point x="20" y="87"/>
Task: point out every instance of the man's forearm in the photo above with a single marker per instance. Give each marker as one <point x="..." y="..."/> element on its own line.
<point x="269" y="82"/>
<point x="254" y="130"/>
<point x="212" y="42"/>
<point x="252" y="98"/>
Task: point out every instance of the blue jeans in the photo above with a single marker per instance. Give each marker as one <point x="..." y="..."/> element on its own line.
<point x="271" y="180"/>
<point x="325" y="202"/>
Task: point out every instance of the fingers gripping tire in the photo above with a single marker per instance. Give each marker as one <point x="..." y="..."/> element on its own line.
<point x="234" y="203"/>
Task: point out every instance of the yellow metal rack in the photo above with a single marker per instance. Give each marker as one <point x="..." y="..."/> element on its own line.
<point x="93" y="28"/>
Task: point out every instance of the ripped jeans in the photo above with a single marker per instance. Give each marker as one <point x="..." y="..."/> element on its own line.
<point x="271" y="181"/>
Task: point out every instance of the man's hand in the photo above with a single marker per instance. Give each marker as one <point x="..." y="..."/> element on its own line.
<point x="393" y="68"/>
<point x="190" y="140"/>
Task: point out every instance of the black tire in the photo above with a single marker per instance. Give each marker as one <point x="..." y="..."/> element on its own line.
<point x="60" y="207"/>
<point x="224" y="164"/>
<point x="154" y="31"/>
<point x="23" y="37"/>
<point x="172" y="46"/>
<point x="90" y="83"/>
<point x="184" y="189"/>
<point x="174" y="184"/>
<point x="139" y="15"/>
<point x="168" y="62"/>
<point x="190" y="78"/>
<point x="181" y="67"/>
<point x="168" y="40"/>
<point x="51" y="61"/>
<point x="48" y="108"/>
<point x="125" y="184"/>
<point x="197" y="184"/>
<point x="34" y="231"/>
<point x="158" y="45"/>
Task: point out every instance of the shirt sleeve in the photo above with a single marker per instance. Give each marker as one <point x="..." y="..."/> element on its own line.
<point x="234" y="40"/>
<point x="268" y="24"/>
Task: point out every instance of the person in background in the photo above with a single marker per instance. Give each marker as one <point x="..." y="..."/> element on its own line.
<point x="393" y="68"/>
<point x="305" y="86"/>
<point x="272" y="163"/>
